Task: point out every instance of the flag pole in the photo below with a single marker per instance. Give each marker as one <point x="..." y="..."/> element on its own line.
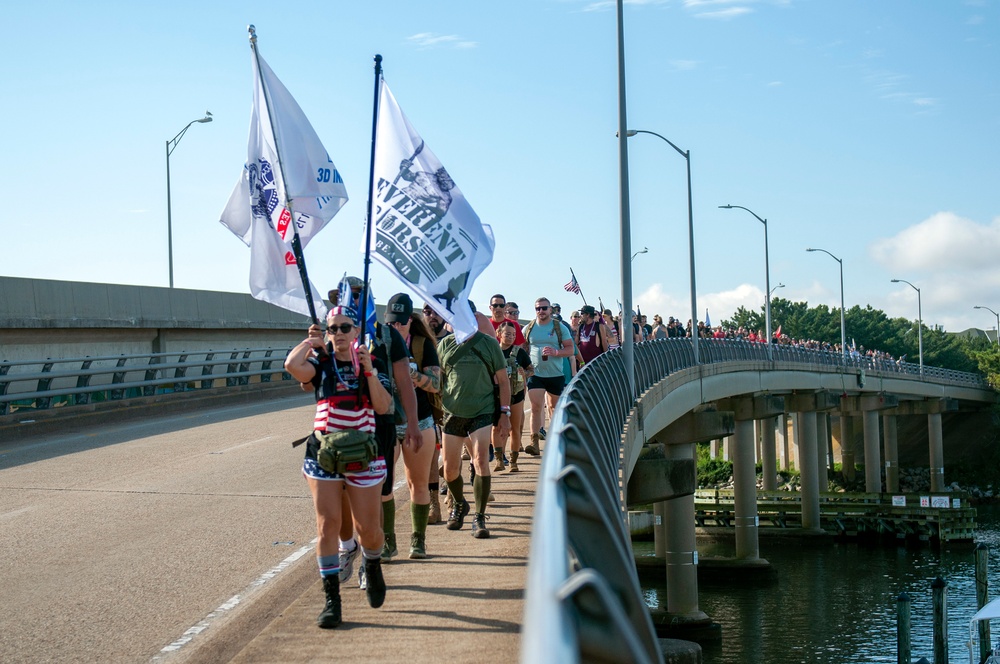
<point x="578" y="286"/>
<point x="363" y="316"/>
<point x="300" y="259"/>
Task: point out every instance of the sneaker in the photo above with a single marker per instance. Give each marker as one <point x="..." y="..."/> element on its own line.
<point x="443" y="490"/>
<point x="491" y="454"/>
<point x="347" y="562"/>
<point x="418" y="548"/>
<point x="362" y="579"/>
<point x="389" y="550"/>
<point x="465" y="455"/>
<point x="458" y="514"/>
<point x="541" y="433"/>
<point x="479" y="529"/>
<point x="375" y="588"/>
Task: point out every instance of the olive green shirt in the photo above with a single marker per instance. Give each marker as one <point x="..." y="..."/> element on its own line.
<point x="467" y="381"/>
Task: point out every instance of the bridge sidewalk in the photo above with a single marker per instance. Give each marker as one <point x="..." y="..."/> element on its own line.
<point x="463" y="603"/>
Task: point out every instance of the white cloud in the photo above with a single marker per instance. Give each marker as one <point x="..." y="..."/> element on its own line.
<point x="725" y="14"/>
<point x="431" y="40"/>
<point x="683" y="65"/>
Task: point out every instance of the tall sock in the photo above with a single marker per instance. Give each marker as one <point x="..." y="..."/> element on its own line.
<point x="348" y="545"/>
<point x="371" y="555"/>
<point x="433" y="487"/>
<point x="481" y="489"/>
<point x="328" y="565"/>
<point x="389" y="516"/>
<point x="418" y="517"/>
<point x="455" y="486"/>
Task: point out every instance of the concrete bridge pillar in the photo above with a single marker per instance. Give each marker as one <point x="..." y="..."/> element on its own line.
<point x="745" y="484"/>
<point x="823" y="440"/>
<point x="727" y="448"/>
<point x="781" y="435"/>
<point x="808" y="448"/>
<point x="890" y="440"/>
<point x="935" y="436"/>
<point x="757" y="425"/>
<point x="847" y="446"/>
<point x="796" y="460"/>
<point x="716" y="449"/>
<point x="680" y="550"/>
<point x="767" y="451"/>
<point x="873" y="459"/>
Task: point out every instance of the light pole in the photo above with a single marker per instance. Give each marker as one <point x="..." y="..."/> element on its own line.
<point x="998" y="320"/>
<point x="644" y="250"/>
<point x="171" y="145"/>
<point x="767" y="276"/>
<point x="776" y="288"/>
<point x="843" y="328"/>
<point x="694" y="303"/>
<point x="920" y="323"/>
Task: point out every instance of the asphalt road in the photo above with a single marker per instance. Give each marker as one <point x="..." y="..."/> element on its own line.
<point x="115" y="541"/>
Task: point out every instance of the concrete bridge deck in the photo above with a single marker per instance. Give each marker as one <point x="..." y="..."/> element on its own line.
<point x="464" y="603"/>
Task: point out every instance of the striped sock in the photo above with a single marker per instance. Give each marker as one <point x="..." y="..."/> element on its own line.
<point x="371" y="555"/>
<point x="328" y="565"/>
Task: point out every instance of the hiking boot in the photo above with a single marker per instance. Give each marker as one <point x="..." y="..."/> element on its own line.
<point x="329" y="617"/>
<point x="513" y="462"/>
<point x="458" y="514"/>
<point x="389" y="550"/>
<point x="434" y="513"/>
<point x="347" y="562"/>
<point x="499" y="468"/>
<point x="532" y="447"/>
<point x="479" y="529"/>
<point x="418" y="548"/>
<point x="375" y="588"/>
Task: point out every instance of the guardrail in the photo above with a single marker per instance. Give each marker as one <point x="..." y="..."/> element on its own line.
<point x="583" y="601"/>
<point x="43" y="384"/>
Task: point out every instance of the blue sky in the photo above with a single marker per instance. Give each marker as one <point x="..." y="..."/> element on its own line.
<point x="869" y="129"/>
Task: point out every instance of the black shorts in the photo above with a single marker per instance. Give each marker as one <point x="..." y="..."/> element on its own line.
<point x="464" y="426"/>
<point x="518" y="398"/>
<point x="553" y="386"/>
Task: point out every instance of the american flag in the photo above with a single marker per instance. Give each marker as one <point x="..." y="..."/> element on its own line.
<point x="573" y="286"/>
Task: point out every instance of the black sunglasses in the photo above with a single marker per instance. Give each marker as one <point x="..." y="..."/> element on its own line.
<point x="343" y="328"/>
<point x="543" y="308"/>
<point x="497" y="306"/>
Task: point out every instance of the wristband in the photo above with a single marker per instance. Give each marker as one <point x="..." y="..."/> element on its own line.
<point x="369" y="374"/>
<point x="505" y="409"/>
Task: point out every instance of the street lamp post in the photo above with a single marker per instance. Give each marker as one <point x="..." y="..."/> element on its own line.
<point x="767" y="276"/>
<point x="843" y="327"/>
<point x="776" y="288"/>
<point x="998" y="320"/>
<point x="644" y="250"/>
<point x="694" y="302"/>
<point x="920" y="323"/>
<point x="171" y="145"/>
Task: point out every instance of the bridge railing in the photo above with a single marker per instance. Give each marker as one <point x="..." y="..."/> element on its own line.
<point x="44" y="384"/>
<point x="583" y="601"/>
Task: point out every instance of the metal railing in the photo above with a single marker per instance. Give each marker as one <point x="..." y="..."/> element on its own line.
<point x="44" y="384"/>
<point x="583" y="601"/>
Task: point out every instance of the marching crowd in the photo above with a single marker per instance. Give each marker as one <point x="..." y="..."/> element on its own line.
<point x="412" y="391"/>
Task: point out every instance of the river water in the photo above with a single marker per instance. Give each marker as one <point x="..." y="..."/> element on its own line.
<point x="837" y="604"/>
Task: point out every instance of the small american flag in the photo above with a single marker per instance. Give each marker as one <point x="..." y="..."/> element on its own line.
<point x="573" y="286"/>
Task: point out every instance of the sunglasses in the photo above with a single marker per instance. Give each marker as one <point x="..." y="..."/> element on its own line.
<point x="343" y="328"/>
<point x="541" y="308"/>
<point x="513" y="311"/>
<point x="428" y="311"/>
<point x="497" y="305"/>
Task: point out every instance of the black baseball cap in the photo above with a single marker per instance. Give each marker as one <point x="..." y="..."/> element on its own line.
<point x="398" y="309"/>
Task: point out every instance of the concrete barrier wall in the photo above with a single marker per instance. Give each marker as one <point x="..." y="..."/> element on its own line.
<point x="41" y="318"/>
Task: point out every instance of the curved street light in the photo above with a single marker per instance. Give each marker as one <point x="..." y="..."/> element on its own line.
<point x="843" y="327"/>
<point x="171" y="145"/>
<point x="767" y="276"/>
<point x="776" y="288"/>
<point x="644" y="250"/>
<point x="998" y="320"/>
<point x="687" y="158"/>
<point x="920" y="322"/>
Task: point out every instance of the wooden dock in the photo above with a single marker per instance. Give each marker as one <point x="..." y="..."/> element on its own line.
<point x="944" y="517"/>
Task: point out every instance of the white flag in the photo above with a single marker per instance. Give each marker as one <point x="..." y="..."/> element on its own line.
<point x="425" y="231"/>
<point x="258" y="211"/>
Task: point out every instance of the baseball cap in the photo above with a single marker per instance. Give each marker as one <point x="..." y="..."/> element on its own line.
<point x="398" y="308"/>
<point x="356" y="287"/>
<point x="588" y="310"/>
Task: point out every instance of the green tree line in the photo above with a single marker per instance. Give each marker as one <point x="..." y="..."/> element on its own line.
<point x="870" y="328"/>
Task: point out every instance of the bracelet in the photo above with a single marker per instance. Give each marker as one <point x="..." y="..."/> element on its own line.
<point x="369" y="374"/>
<point x="505" y="409"/>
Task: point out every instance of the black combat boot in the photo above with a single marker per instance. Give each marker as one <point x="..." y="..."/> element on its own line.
<point x="330" y="616"/>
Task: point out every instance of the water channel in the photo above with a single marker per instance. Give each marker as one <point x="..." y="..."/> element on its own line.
<point x="835" y="604"/>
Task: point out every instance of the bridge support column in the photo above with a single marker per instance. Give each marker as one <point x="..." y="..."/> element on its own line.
<point x="796" y="459"/>
<point x="767" y="452"/>
<point x="716" y="448"/>
<point x="935" y="436"/>
<point x="808" y="448"/>
<point x="873" y="458"/>
<point x="847" y="446"/>
<point x="681" y="553"/>
<point x="727" y="448"/>
<point x="823" y="442"/>
<point x="890" y="440"/>
<point x="745" y="485"/>
<point x="660" y="529"/>
<point x="782" y="440"/>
